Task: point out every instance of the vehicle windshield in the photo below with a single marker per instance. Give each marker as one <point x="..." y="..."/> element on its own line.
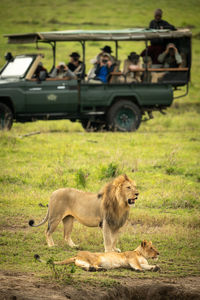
<point x="17" y="67"/>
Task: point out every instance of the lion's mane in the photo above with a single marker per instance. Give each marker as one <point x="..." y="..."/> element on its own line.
<point x="114" y="208"/>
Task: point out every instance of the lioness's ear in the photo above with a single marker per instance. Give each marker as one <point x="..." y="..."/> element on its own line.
<point x="126" y="177"/>
<point x="143" y="244"/>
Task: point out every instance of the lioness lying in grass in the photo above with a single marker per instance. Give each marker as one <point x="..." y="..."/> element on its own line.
<point x="136" y="260"/>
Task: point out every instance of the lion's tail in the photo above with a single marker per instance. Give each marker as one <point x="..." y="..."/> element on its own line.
<point x="64" y="262"/>
<point x="31" y="222"/>
<point x="37" y="257"/>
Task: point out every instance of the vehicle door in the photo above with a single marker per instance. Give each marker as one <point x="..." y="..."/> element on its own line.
<point x="94" y="95"/>
<point x="51" y="96"/>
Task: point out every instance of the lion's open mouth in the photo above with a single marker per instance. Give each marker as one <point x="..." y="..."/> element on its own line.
<point x="131" y="201"/>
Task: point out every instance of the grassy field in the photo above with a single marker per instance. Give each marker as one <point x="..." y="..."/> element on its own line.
<point x="162" y="156"/>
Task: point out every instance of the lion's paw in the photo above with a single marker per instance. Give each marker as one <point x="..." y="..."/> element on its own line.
<point x="156" y="268"/>
<point x="92" y="269"/>
<point x="117" y="250"/>
<point x="139" y="270"/>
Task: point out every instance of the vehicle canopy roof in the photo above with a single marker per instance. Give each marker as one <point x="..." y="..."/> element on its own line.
<point x="132" y="34"/>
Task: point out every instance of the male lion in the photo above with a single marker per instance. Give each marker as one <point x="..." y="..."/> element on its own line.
<point x="109" y="208"/>
<point x="136" y="260"/>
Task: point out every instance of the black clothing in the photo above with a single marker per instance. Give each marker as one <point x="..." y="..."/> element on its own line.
<point x="72" y="67"/>
<point x="161" y="25"/>
<point x="78" y="70"/>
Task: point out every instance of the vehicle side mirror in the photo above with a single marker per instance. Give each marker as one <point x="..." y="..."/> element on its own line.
<point x="9" y="57"/>
<point x="42" y="76"/>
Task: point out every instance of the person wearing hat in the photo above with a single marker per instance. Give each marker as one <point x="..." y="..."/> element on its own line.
<point x="158" y="23"/>
<point x="74" y="69"/>
<point x="107" y="50"/>
<point x="96" y="61"/>
<point x="76" y="66"/>
<point x="103" y="69"/>
<point x="131" y="66"/>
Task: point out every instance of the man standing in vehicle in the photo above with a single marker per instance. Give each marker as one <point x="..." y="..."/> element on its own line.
<point x="158" y="23"/>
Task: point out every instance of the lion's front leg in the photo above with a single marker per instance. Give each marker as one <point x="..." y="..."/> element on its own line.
<point x="68" y="225"/>
<point x="134" y="265"/>
<point x="107" y="237"/>
<point x="148" y="267"/>
<point x="114" y="236"/>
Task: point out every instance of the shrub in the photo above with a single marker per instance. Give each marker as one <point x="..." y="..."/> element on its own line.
<point x="80" y="178"/>
<point x="109" y="171"/>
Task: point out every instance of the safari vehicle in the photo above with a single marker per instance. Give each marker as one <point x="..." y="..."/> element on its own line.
<point x="116" y="105"/>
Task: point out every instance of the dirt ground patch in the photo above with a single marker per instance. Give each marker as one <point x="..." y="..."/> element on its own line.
<point x="18" y="286"/>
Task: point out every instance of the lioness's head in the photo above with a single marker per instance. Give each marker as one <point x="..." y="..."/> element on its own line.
<point x="126" y="190"/>
<point x="148" y="250"/>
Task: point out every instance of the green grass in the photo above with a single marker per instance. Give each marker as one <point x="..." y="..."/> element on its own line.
<point x="163" y="161"/>
<point x="162" y="156"/>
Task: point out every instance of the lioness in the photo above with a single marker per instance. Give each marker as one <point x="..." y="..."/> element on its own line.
<point x="110" y="208"/>
<point x="136" y="260"/>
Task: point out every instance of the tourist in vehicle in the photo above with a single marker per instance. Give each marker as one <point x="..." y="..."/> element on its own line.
<point x="40" y="71"/>
<point x="62" y="71"/>
<point x="76" y="66"/>
<point x="95" y="61"/>
<point x="131" y="66"/>
<point x="106" y="49"/>
<point x="170" y="58"/>
<point x="74" y="69"/>
<point x="158" y="23"/>
<point x="103" y="69"/>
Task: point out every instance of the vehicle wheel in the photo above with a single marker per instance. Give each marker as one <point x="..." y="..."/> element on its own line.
<point x="6" y="117"/>
<point x="124" y="116"/>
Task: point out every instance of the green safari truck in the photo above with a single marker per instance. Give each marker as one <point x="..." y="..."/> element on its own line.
<point x="119" y="104"/>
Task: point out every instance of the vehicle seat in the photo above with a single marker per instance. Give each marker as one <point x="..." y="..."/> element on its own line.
<point x="114" y="78"/>
<point x="132" y="76"/>
<point x="91" y="73"/>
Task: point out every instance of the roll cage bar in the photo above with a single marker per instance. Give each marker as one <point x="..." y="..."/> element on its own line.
<point x="135" y="34"/>
<point x="83" y="36"/>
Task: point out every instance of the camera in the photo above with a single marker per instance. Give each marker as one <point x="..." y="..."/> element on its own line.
<point x="104" y="61"/>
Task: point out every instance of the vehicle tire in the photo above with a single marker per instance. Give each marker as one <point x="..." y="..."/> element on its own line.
<point x="124" y="116"/>
<point x="6" y="117"/>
